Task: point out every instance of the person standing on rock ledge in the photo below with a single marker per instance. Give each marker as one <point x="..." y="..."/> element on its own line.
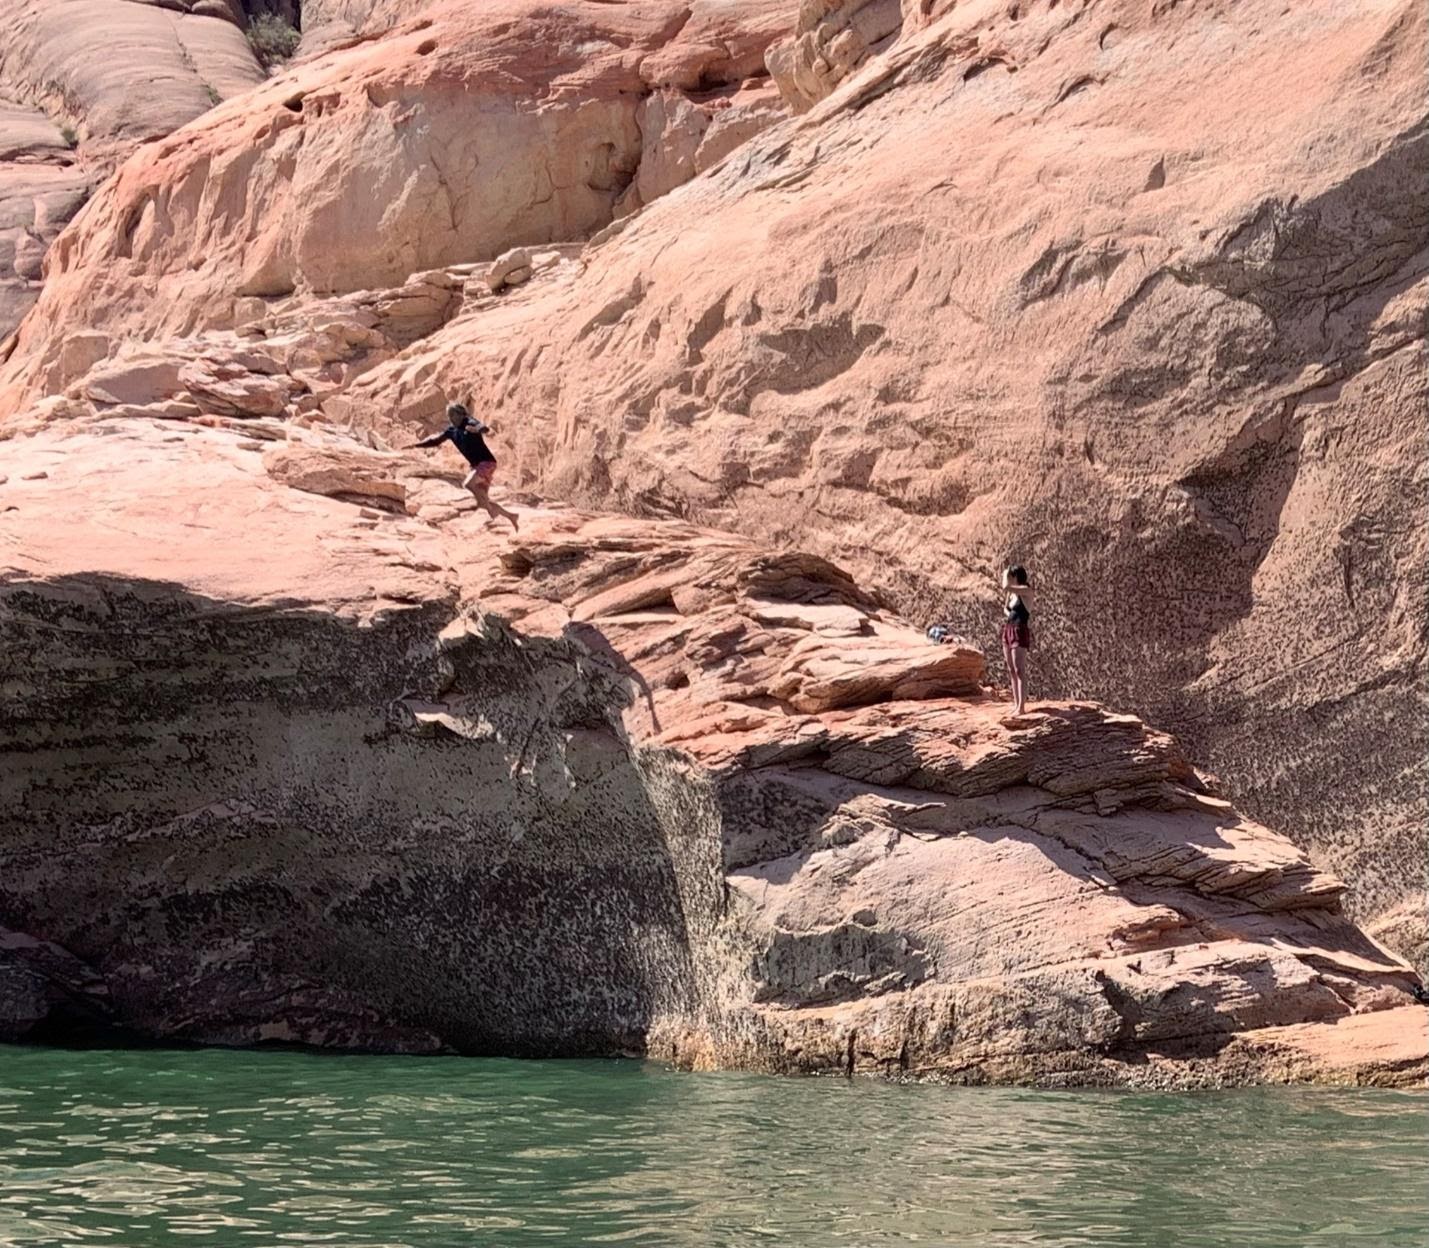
<point x="1016" y="632"/>
<point x="468" y="437"/>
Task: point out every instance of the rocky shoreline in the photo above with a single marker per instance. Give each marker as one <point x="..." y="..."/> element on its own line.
<point x="797" y="321"/>
<point x="606" y="785"/>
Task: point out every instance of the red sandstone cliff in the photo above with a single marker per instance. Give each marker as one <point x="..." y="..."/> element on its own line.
<point x="84" y="82"/>
<point x="1132" y="293"/>
<point x="607" y="785"/>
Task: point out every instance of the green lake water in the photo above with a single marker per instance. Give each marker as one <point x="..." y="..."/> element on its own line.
<point x="154" y="1148"/>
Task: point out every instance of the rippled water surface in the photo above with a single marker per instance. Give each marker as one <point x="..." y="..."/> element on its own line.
<point x="146" y="1149"/>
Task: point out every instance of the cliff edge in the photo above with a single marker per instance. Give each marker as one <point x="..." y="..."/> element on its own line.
<point x="302" y="750"/>
<point x="1131" y="293"/>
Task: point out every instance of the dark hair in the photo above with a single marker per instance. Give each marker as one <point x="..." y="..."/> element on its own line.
<point x="457" y="412"/>
<point x="1017" y="574"/>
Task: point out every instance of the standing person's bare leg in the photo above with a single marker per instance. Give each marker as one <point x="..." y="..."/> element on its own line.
<point x="1011" y="671"/>
<point x="1019" y="668"/>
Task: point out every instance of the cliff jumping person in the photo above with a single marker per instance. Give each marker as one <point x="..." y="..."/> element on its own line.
<point x="467" y="436"/>
<point x="1016" y="632"/>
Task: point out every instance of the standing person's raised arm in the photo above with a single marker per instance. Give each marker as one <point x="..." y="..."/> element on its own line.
<point x="1022" y="590"/>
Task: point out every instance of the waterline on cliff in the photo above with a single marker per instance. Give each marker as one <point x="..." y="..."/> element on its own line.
<point x="159" y="1146"/>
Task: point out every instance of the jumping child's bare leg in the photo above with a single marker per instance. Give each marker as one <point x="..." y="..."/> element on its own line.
<point x="492" y="509"/>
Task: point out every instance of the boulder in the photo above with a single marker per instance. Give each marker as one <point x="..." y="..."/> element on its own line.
<point x="511" y="268"/>
<point x="336" y="472"/>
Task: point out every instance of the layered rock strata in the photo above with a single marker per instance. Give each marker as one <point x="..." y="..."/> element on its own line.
<point x="310" y="753"/>
<point x="456" y="136"/>
<point x="41" y="188"/>
<point x="1132" y="294"/>
<point x="82" y="84"/>
<point x="120" y="72"/>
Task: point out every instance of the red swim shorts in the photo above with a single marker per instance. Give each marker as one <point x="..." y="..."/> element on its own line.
<point x="481" y="474"/>
<point x="1015" y="633"/>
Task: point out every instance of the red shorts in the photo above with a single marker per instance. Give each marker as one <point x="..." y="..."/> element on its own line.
<point x="1015" y="633"/>
<point x="481" y="474"/>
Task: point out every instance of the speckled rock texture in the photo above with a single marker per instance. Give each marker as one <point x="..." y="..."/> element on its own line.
<point x="307" y="751"/>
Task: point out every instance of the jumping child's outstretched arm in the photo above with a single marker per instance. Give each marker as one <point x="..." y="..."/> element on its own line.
<point x="435" y="440"/>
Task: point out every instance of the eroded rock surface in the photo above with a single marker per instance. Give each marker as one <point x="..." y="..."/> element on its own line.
<point x="833" y="38"/>
<point x="119" y="72"/>
<point x="41" y="188"/>
<point x="1131" y="294"/>
<point x="607" y="785"/>
<point x="82" y="83"/>
<point x="456" y="136"/>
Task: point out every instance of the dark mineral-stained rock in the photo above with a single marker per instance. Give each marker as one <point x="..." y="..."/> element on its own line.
<point x="46" y="992"/>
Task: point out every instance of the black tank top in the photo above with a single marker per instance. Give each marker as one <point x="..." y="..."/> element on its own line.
<point x="1017" y="613"/>
<point x="472" y="445"/>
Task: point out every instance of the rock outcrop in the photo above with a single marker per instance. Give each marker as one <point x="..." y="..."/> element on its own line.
<point x="460" y="134"/>
<point x="41" y="188"/>
<point x="607" y="785"/>
<point x="328" y="24"/>
<point x="833" y="38"/>
<point x="120" y="72"/>
<point x="1132" y="294"/>
<point x="84" y="82"/>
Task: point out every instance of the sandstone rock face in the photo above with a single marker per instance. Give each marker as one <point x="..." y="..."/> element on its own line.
<point x="121" y="71"/>
<point x="82" y="83"/>
<point x="1131" y="294"/>
<point x="833" y="38"/>
<point x="683" y="136"/>
<point x="460" y="134"/>
<point x="330" y="23"/>
<point x="609" y="785"/>
<point x="41" y="188"/>
<point x="727" y="38"/>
